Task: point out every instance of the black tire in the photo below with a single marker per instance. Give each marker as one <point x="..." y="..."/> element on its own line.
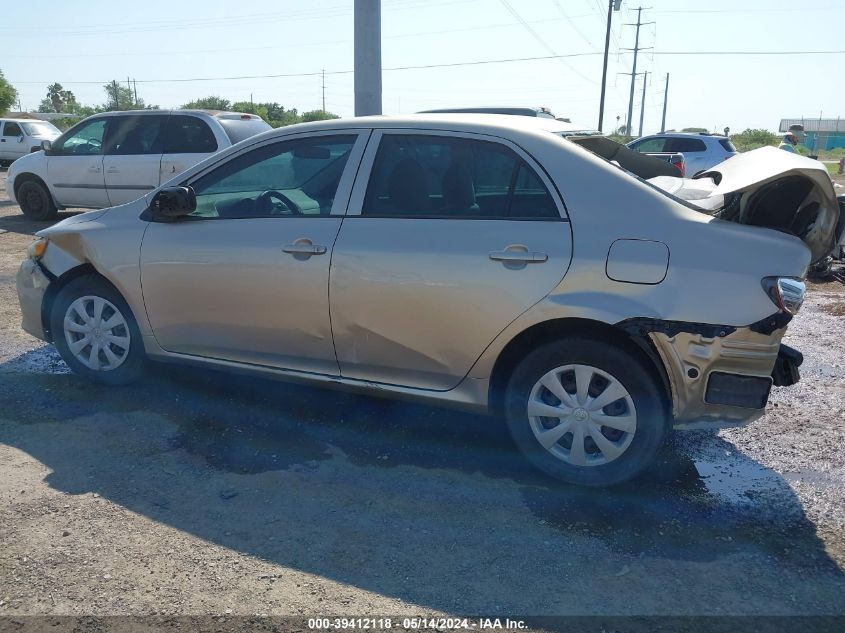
<point x="36" y="202"/>
<point x="134" y="359"/>
<point x="653" y="417"/>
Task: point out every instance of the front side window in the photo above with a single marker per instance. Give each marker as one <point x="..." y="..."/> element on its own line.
<point x="441" y="177"/>
<point x="130" y="135"/>
<point x="188" y="135"/>
<point x="84" y="140"/>
<point x="290" y="178"/>
<point x="12" y="129"/>
<point x="650" y="145"/>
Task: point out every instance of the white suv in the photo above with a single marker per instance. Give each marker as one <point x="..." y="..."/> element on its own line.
<point x="701" y="151"/>
<point x="115" y="157"/>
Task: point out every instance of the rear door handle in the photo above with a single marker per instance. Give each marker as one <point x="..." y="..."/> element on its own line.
<point x="112" y="170"/>
<point x="530" y="257"/>
<point x="304" y="247"/>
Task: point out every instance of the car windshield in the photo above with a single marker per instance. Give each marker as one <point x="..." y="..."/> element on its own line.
<point x="40" y="128"/>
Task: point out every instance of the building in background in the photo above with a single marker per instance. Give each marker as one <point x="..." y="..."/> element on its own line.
<point x="819" y="134"/>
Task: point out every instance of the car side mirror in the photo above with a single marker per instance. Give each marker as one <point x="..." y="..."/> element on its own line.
<point x="47" y="145"/>
<point x="173" y="202"/>
<point x="20" y="139"/>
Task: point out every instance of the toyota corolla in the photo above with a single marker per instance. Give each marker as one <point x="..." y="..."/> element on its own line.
<point x="511" y="265"/>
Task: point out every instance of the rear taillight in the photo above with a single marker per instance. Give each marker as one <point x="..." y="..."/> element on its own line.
<point x="787" y="293"/>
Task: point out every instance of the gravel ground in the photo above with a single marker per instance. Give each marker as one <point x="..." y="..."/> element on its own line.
<point x="200" y="493"/>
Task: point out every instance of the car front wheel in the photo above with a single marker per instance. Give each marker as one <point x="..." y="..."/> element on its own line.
<point x="586" y="412"/>
<point x="95" y="332"/>
<point x="36" y="202"/>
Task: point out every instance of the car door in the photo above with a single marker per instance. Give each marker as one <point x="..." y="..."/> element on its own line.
<point x="245" y="277"/>
<point x="75" y="165"/>
<point x="449" y="239"/>
<point x="133" y="156"/>
<point x="12" y="144"/>
<point x="188" y="140"/>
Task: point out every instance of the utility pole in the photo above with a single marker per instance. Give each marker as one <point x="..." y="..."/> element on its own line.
<point x="642" y="105"/>
<point x="135" y="86"/>
<point x="324" y="90"/>
<point x="665" y="99"/>
<point x="129" y="88"/>
<point x="636" y="50"/>
<point x="367" y="57"/>
<point x="116" y="99"/>
<point x="612" y="5"/>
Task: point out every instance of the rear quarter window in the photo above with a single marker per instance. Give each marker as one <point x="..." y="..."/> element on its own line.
<point x="727" y="145"/>
<point x="239" y="130"/>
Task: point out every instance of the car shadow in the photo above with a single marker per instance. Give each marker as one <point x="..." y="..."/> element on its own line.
<point x="361" y="490"/>
<point x="23" y="225"/>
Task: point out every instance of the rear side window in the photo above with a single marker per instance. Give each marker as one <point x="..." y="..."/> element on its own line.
<point x="188" y="135"/>
<point x="133" y="135"/>
<point x="12" y="129"/>
<point x="685" y="145"/>
<point x="440" y="177"/>
<point x="727" y="145"/>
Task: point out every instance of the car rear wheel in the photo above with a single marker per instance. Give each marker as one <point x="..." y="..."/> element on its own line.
<point x="36" y="202"/>
<point x="586" y="412"/>
<point x="95" y="332"/>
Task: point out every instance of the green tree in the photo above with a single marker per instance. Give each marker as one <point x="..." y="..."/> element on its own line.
<point x="318" y="115"/>
<point x="8" y="95"/>
<point x="59" y="100"/>
<point x="211" y="102"/>
<point x="752" y="139"/>
<point x="122" y="97"/>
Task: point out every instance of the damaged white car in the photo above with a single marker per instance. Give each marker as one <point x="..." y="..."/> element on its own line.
<point x="509" y="265"/>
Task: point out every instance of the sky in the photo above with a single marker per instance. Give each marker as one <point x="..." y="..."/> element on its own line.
<point x="207" y="44"/>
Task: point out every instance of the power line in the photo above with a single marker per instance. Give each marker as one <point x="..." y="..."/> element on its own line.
<point x="328" y="72"/>
<point x="426" y="66"/>
<point x="537" y="37"/>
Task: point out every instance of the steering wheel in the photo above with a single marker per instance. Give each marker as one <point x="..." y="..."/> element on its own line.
<point x="267" y="198"/>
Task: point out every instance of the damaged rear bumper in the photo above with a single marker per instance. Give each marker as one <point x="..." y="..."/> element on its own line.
<point x="722" y="375"/>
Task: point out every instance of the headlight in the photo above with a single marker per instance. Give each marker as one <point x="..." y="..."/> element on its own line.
<point x="787" y="293"/>
<point x="36" y="249"/>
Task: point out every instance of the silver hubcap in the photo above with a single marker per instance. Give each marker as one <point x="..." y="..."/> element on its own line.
<point x="96" y="333"/>
<point x="582" y="415"/>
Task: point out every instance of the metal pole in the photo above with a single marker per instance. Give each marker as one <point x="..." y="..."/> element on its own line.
<point x="604" y="67"/>
<point x="324" y="89"/>
<point x="633" y="75"/>
<point x="642" y="105"/>
<point x="665" y="99"/>
<point x="135" y="86"/>
<point x="367" y="57"/>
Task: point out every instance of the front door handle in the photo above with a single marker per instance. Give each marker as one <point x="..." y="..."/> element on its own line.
<point x="519" y="256"/>
<point x="94" y="170"/>
<point x="303" y="248"/>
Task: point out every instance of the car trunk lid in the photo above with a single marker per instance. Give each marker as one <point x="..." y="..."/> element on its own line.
<point x="769" y="188"/>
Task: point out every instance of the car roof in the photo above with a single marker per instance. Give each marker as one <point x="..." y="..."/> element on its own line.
<point x="695" y="134"/>
<point x="446" y="121"/>
<point x="211" y="113"/>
